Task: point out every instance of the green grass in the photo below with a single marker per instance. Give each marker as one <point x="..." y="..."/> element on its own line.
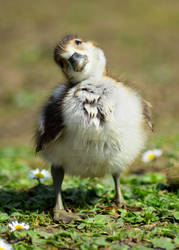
<point x="153" y="223"/>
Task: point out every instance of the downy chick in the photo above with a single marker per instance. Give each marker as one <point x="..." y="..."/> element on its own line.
<point x="92" y="125"/>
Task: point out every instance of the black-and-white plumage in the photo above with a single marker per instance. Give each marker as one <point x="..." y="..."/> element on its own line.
<point x="92" y="125"/>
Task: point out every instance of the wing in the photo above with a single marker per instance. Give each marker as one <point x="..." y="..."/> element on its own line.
<point x="147" y="112"/>
<point x="50" y="125"/>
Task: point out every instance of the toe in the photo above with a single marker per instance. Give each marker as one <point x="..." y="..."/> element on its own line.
<point x="65" y="217"/>
<point x="121" y="203"/>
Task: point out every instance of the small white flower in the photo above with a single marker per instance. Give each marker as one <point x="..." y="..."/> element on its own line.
<point x="151" y="155"/>
<point x="15" y="225"/>
<point x="5" y="246"/>
<point x="42" y="175"/>
<point x="157" y="152"/>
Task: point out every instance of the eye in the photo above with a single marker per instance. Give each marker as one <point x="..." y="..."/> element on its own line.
<point x="78" y="42"/>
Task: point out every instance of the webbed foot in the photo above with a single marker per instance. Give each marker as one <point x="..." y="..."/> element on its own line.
<point x="124" y="205"/>
<point x="121" y="203"/>
<point x="64" y="216"/>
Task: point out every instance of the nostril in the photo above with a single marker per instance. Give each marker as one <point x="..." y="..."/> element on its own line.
<point x="76" y="56"/>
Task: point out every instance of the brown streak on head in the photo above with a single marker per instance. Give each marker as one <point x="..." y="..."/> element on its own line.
<point x="61" y="46"/>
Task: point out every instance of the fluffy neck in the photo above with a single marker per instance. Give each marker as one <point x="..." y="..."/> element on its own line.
<point x="96" y="69"/>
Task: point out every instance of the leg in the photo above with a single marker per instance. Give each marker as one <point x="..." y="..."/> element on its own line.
<point x="58" y="175"/>
<point x="59" y="212"/>
<point x="118" y="196"/>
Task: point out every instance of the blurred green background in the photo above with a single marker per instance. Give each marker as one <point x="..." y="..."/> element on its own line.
<point x="140" y="39"/>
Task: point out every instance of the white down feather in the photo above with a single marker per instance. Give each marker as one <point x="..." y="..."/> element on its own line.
<point x="89" y="148"/>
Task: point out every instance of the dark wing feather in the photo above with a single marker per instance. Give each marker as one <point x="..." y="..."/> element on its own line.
<point x="147" y="112"/>
<point x="52" y="120"/>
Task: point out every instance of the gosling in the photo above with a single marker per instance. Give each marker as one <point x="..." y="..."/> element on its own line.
<point x="92" y="125"/>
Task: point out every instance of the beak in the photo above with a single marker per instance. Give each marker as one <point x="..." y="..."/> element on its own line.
<point x="78" y="61"/>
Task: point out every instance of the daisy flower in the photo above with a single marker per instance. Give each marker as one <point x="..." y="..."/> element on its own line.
<point x="5" y="246"/>
<point x="15" y="225"/>
<point x="151" y="155"/>
<point x="41" y="175"/>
